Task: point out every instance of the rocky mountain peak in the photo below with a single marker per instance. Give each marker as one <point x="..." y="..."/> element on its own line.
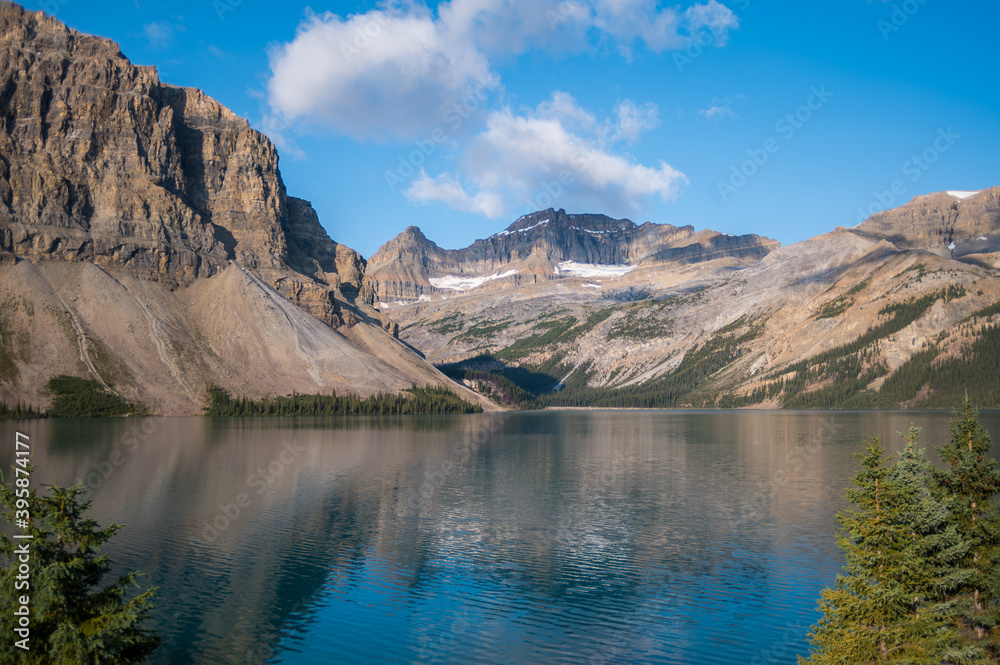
<point x="953" y="223"/>
<point x="147" y="242"/>
<point x="48" y="36"/>
<point x="531" y="249"/>
<point x="413" y="234"/>
<point x="101" y="162"/>
<point x="560" y="220"/>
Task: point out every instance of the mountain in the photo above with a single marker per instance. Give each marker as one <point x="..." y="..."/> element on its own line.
<point x="147" y="241"/>
<point x="968" y="220"/>
<point x="584" y="310"/>
<point x="542" y="246"/>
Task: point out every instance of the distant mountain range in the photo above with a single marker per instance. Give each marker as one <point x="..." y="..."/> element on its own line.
<point x="147" y="242"/>
<point x="543" y="246"/>
<point x="586" y="310"/>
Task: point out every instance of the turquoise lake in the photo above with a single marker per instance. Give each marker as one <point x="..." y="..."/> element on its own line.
<point x="550" y="537"/>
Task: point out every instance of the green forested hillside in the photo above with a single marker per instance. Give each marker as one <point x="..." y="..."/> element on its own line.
<point x="929" y="379"/>
<point x="417" y="401"/>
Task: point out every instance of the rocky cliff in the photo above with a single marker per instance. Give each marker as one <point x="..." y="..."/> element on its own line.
<point x="147" y="241"/>
<point x="954" y="224"/>
<point x="127" y="206"/>
<point x="532" y="249"/>
<point x="100" y="161"/>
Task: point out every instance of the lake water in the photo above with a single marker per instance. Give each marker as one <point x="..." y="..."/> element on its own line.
<point x="554" y="537"/>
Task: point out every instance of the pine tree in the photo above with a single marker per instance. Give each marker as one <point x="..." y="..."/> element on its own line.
<point x="937" y="553"/>
<point x="895" y="601"/>
<point x="72" y="620"/>
<point x="971" y="483"/>
<point x="863" y="615"/>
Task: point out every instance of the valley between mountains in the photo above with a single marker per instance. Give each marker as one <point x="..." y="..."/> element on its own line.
<point x="147" y="242"/>
<point x="584" y="310"/>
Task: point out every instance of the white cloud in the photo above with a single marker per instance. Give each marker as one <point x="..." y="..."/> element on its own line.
<point x="395" y="72"/>
<point x="633" y="120"/>
<point x="713" y="18"/>
<point x="509" y="27"/>
<point x="639" y="20"/>
<point x="721" y="108"/>
<point x="375" y="75"/>
<point x="159" y="34"/>
<point x="445" y="189"/>
<point x="629" y="21"/>
<point x="519" y="160"/>
<point x="717" y="112"/>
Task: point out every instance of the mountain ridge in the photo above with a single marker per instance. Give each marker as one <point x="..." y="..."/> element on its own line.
<point x="845" y="318"/>
<point x="531" y="249"/>
<point x="129" y="207"/>
<point x="147" y="241"/>
<point x="934" y="221"/>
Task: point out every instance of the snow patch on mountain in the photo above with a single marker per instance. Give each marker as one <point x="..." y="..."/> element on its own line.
<point x="596" y="233"/>
<point x="962" y="195"/>
<point x="460" y="283"/>
<point x="575" y="269"/>
<point x="525" y="229"/>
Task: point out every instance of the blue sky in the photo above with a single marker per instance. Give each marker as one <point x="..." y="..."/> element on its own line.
<point x="780" y="118"/>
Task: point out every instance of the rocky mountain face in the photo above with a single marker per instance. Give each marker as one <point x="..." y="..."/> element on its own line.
<point x="954" y="224"/>
<point x="882" y="315"/>
<point x="100" y="161"/>
<point x="532" y="249"/>
<point x="128" y="201"/>
<point x="147" y="241"/>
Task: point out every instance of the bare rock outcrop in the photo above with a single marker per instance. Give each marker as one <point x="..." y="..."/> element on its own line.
<point x="147" y="241"/>
<point x="102" y="162"/>
<point x="530" y="250"/>
<point x="949" y="224"/>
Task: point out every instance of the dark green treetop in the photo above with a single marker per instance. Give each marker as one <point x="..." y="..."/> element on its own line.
<point x="73" y="620"/>
<point x="896" y="600"/>
<point x="971" y="483"/>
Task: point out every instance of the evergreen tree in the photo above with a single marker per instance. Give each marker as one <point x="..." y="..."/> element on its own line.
<point x="894" y="603"/>
<point x="864" y="614"/>
<point x="971" y="483"/>
<point x="937" y="553"/>
<point x="72" y="620"/>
